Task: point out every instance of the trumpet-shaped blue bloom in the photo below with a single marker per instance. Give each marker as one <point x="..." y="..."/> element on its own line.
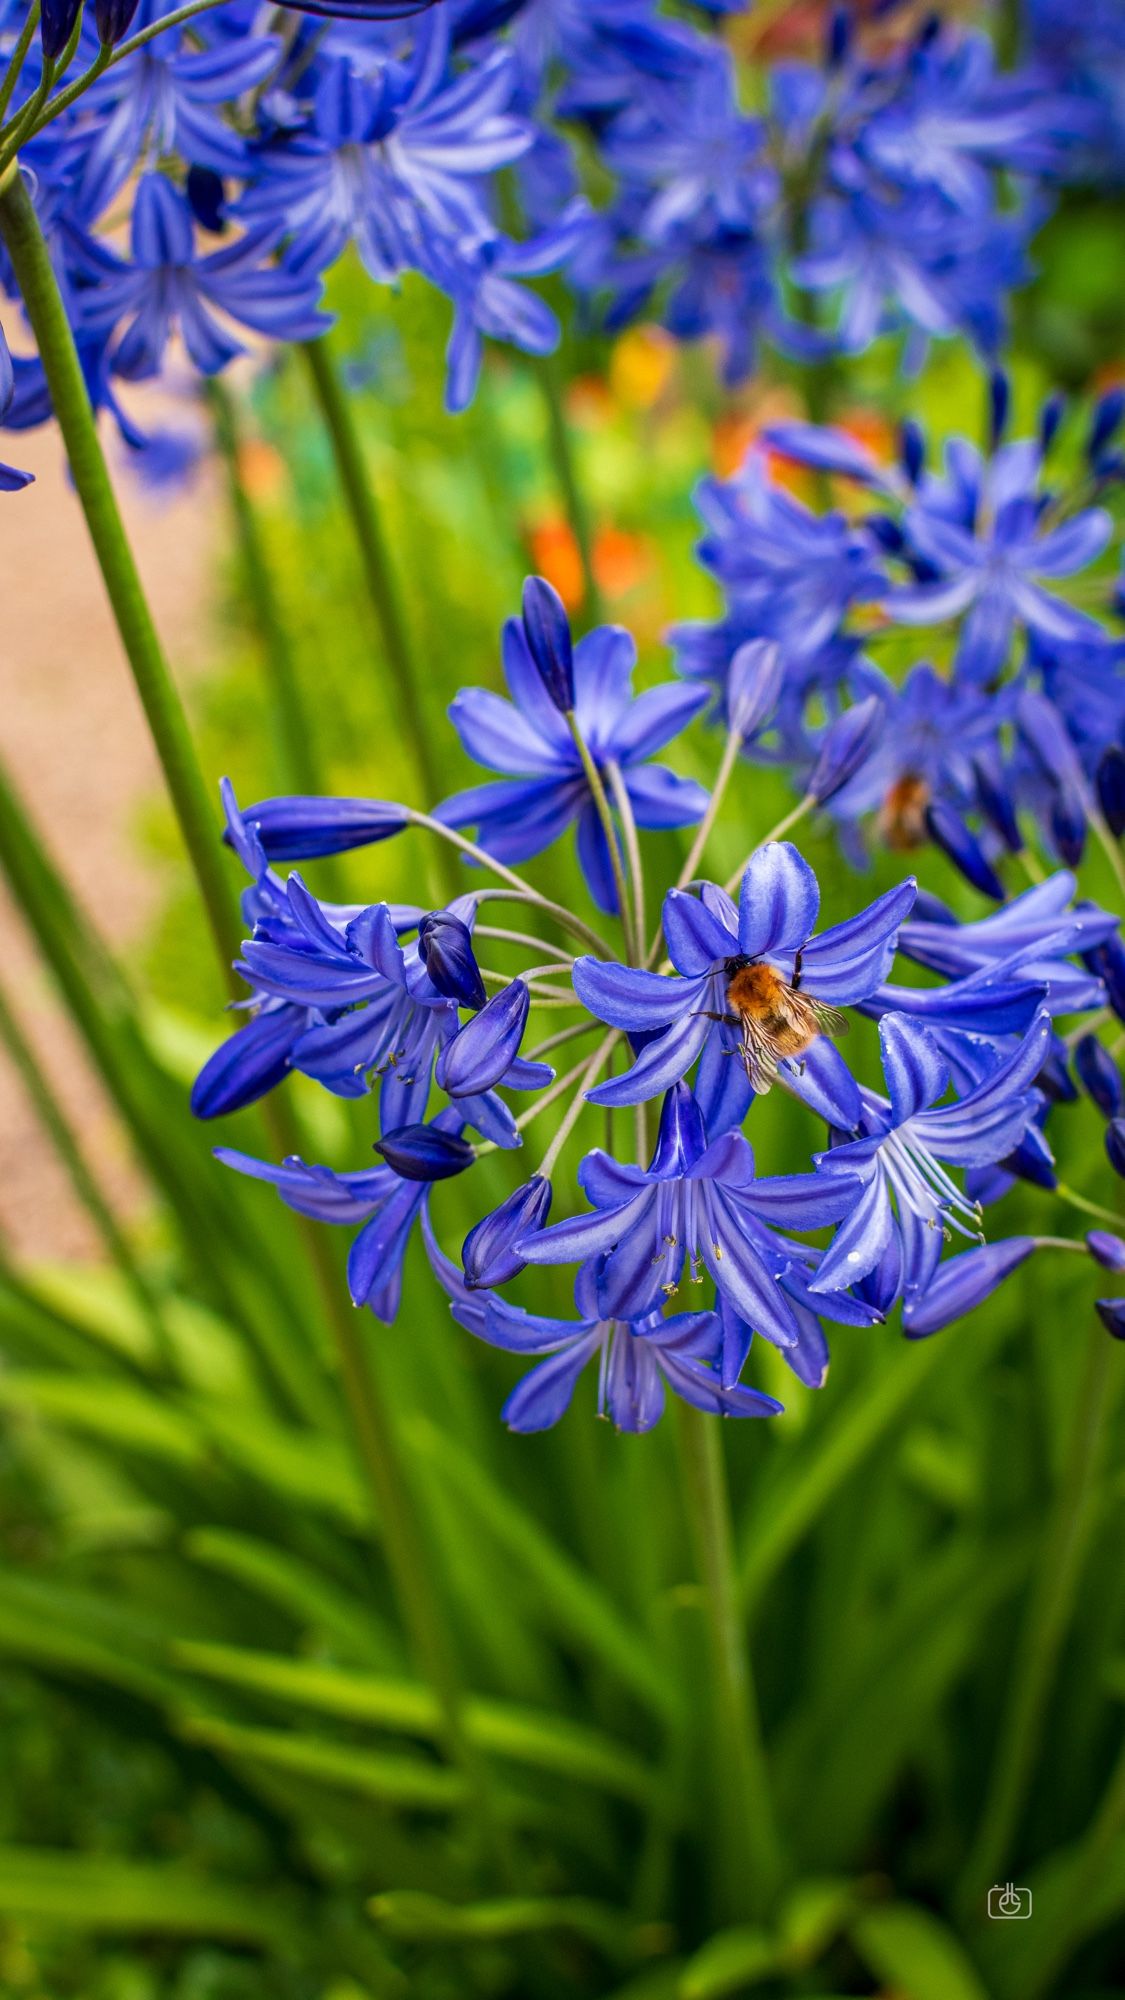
<point x="697" y="1205"/>
<point x="892" y="1237"/>
<point x="386" y="1205"/>
<point x="528" y="736"/>
<point x="168" y="287"/>
<point x="708" y="940"/>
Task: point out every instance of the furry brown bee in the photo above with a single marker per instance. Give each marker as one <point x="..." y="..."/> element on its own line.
<point x="775" y="1019"/>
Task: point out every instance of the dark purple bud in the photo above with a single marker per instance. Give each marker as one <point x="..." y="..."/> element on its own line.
<point x="425" y="1153"/>
<point x="1032" y="1161"/>
<point x="1106" y="1249"/>
<point x="1108" y="412"/>
<point x="300" y="829"/>
<point x="489" y="1253"/>
<point x="753" y="687"/>
<point x="963" y="1283"/>
<point x="361" y="10"/>
<point x="1107" y="962"/>
<point x="1050" y="417"/>
<point x="1115" y="1145"/>
<point x="1111" y="788"/>
<point x="929" y="31"/>
<point x="56" y="25"/>
<point x="839" y="36"/>
<point x="948" y="831"/>
<point x="995" y="800"/>
<point x="546" y="628"/>
<point x="1068" y="824"/>
<point x="206" y="194"/>
<point x="999" y="405"/>
<point x="481" y="1054"/>
<point x="113" y="19"/>
<point x="1111" y="1312"/>
<point x="848" y="743"/>
<point x="447" y="954"/>
<point x="1099" y="1076"/>
<point x="912" y="450"/>
<point x="1054" y="1079"/>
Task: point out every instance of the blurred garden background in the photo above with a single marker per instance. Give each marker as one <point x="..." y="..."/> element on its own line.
<point x="222" y="1777"/>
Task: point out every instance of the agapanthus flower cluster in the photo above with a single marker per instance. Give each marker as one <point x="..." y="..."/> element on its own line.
<point x="918" y="1058"/>
<point x="965" y="608"/>
<point x="201" y="181"/>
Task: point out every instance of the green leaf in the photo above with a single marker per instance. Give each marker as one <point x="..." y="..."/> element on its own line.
<point x="568" y="1601"/>
<point x="911" y="1951"/>
<point x="728" y="1963"/>
<point x="418" y="1918"/>
<point x="65" y="1630"/>
<point x="86" y="1892"/>
<point x="303" y="1467"/>
<point x="103" y="1406"/>
<point x="391" y="1780"/>
<point x="527" y="1736"/>
<point x="287" y="1581"/>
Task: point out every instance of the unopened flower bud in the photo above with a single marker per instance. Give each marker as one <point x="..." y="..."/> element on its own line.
<point x="848" y="743"/>
<point x="546" y="629"/>
<point x="489" y="1253"/>
<point x="425" y="1153"/>
<point x="948" y="831"/>
<point x="301" y="829"/>
<point x="753" y="687"/>
<point x="1106" y="1249"/>
<point x="1099" y="1076"/>
<point x="447" y="954"/>
<point x="483" y="1051"/>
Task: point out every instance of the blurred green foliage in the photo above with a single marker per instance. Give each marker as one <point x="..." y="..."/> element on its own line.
<point x="223" y="1780"/>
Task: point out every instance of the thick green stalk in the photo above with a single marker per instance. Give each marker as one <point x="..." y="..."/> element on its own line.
<point x="287" y="705"/>
<point x="548" y="376"/>
<point x="57" y="1126"/>
<point x="17" y="58"/>
<point x="1046" y="1618"/>
<point x="747" y="1866"/>
<point x="31" y="262"/>
<point x="378" y="571"/>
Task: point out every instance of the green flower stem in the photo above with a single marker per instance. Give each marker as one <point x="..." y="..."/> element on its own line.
<point x="563" y="1035"/>
<point x="1111" y="848"/>
<point x="703" y="832"/>
<point x="106" y="58"/>
<point x="574" y="1111"/>
<point x="17" y="58"/>
<point x="747" y="1865"/>
<point x="626" y="815"/>
<point x="26" y="120"/>
<point x="56" y="1125"/>
<point x="233" y="1266"/>
<point x="298" y="753"/>
<point x="412" y="1572"/>
<point x="1047" y="1615"/>
<point x="777" y="832"/>
<point x="565" y="919"/>
<point x="19" y="227"/>
<point x="549" y="378"/>
<point x="378" y="573"/>
<point x="524" y="938"/>
<point x="1085" y="1207"/>
<point x="602" y="808"/>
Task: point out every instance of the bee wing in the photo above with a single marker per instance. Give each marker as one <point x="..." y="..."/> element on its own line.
<point x="829" y="1020"/>
<point x="759" y="1057"/>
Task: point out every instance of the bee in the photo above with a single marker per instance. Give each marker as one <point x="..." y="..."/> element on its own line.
<point x="774" y="1018"/>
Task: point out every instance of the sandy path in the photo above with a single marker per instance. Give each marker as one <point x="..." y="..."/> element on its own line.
<point x="74" y="738"/>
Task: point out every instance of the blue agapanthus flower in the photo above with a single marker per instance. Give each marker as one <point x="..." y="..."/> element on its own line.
<point x="766" y="943"/>
<point x="892" y="1237"/>
<point x="386" y="1206"/>
<point x="548" y="789"/>
<point x="697" y="1205"/>
<point x="168" y="288"/>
